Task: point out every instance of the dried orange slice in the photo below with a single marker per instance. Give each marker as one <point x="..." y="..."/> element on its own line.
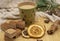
<point x="25" y="33"/>
<point x="35" y="31"/>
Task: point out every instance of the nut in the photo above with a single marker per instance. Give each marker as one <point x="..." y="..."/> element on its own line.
<point x="46" y="21"/>
<point x="39" y="40"/>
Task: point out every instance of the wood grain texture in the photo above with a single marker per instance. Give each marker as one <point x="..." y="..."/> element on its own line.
<point x="46" y="37"/>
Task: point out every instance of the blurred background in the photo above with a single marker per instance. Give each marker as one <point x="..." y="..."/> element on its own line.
<point x="13" y="3"/>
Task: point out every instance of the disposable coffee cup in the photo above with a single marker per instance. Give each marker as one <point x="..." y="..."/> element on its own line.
<point x="27" y="12"/>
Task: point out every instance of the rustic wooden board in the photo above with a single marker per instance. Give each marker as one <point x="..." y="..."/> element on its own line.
<point x="46" y="37"/>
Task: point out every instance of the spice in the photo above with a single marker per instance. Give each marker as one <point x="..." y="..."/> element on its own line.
<point x="39" y="40"/>
<point x="53" y="27"/>
<point x="49" y="12"/>
<point x="46" y="21"/>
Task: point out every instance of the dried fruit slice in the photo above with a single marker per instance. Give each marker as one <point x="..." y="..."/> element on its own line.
<point x="25" y="33"/>
<point x="35" y="31"/>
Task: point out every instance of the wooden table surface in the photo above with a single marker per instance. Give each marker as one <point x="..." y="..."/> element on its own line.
<point x="46" y="37"/>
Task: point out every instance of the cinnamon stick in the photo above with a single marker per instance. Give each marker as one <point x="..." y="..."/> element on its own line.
<point x="53" y="27"/>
